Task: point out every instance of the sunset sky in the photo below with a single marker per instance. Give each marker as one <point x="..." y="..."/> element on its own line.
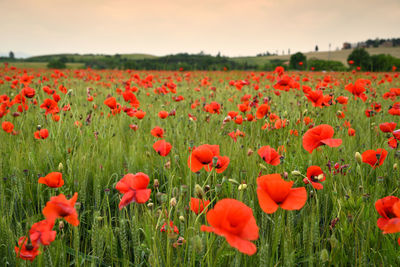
<point x="160" y="27"/>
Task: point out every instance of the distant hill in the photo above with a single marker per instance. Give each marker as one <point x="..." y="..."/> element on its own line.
<point x="86" y="57"/>
<point x="339" y="55"/>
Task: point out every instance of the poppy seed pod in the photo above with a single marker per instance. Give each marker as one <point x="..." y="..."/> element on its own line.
<point x="358" y="157"/>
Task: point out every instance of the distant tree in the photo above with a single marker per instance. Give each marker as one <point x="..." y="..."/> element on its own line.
<point x="298" y="61"/>
<point x="11" y="55"/>
<point x="361" y="58"/>
<point x="316" y="48"/>
<point x="56" y="64"/>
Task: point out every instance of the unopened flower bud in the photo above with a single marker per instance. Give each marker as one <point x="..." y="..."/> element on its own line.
<point x="181" y="218"/>
<point x="358" y="157"/>
<point x="250" y="152"/>
<point x="395" y="166"/>
<point x="172" y="202"/>
<point x="199" y="191"/>
<point x="242" y="187"/>
<point x="60" y="167"/>
<point x="296" y="173"/>
<point x="156" y="184"/>
<point x="61" y="225"/>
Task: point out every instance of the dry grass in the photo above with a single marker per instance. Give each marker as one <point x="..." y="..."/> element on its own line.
<point x="340" y="55"/>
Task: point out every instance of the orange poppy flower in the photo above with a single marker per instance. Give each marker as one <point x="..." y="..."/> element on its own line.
<point x="41" y="233"/>
<point x="269" y="155"/>
<point x="41" y="134"/>
<point x="53" y="180"/>
<point x="60" y="207"/>
<point x="201" y="156"/>
<point x="235" y="221"/>
<point x="26" y="251"/>
<point x="374" y="158"/>
<point x="198" y="205"/>
<point x="7" y="126"/>
<point x="134" y="188"/>
<point x="273" y="191"/>
<point x="318" y="136"/>
<point x="315" y="175"/>
<point x="162" y="147"/>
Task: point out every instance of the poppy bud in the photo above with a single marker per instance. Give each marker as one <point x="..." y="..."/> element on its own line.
<point x="305" y="111"/>
<point x="285" y="175"/>
<point x="39" y="127"/>
<point x="150" y="205"/>
<point x="61" y="225"/>
<point x="324" y="255"/>
<point x="199" y="191"/>
<point x="172" y="202"/>
<point x="395" y="166"/>
<point x="358" y="157"/>
<point x="60" y="167"/>
<point x="249" y="152"/>
<point x="233" y="181"/>
<point x="181" y="218"/>
<point x="156" y="184"/>
<point x="242" y="187"/>
<point x="296" y="173"/>
<point x="207" y="188"/>
<point x="167" y="165"/>
<point x="214" y="161"/>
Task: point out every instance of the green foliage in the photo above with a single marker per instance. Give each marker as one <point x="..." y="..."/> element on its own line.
<point x="298" y="61"/>
<point x="56" y="64"/>
<point x="361" y="58"/>
<point x="328" y="65"/>
<point x="383" y="62"/>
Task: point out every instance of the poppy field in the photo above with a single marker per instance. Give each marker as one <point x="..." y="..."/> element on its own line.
<point x="199" y="168"/>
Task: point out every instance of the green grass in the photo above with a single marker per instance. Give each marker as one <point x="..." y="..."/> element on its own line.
<point x="91" y="166"/>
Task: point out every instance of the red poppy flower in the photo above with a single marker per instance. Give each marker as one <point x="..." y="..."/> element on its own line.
<point x="28" y="92"/>
<point x="111" y="102"/>
<point x="315" y="175"/>
<point x="53" y="180"/>
<point x="41" y="134"/>
<point x="7" y="126"/>
<point x="393" y="224"/>
<point x="201" y="156"/>
<point x="387" y="127"/>
<point x="163" y="114"/>
<point x="220" y="166"/>
<point x="342" y="100"/>
<point x="384" y="207"/>
<point x="26" y="251"/>
<point x="273" y="191"/>
<point x="318" y="136"/>
<point x="162" y="147"/>
<point x="316" y="98"/>
<point x="50" y="106"/>
<point x="262" y="110"/>
<point x="165" y="228"/>
<point x="140" y="114"/>
<point x="269" y="155"/>
<point x="374" y="158"/>
<point x="198" y="205"/>
<point x="235" y="221"/>
<point x="134" y="188"/>
<point x="60" y="207"/>
<point x="157" y="132"/>
<point x="351" y="132"/>
<point x="41" y="233"/>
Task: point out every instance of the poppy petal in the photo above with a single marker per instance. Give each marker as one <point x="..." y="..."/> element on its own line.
<point x="296" y="199"/>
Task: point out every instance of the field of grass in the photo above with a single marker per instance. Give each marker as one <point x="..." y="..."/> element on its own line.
<point x="340" y="55"/>
<point x="97" y="134"/>
<point x="43" y="65"/>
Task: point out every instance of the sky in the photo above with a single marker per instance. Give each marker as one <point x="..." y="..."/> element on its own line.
<point x="161" y="27"/>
